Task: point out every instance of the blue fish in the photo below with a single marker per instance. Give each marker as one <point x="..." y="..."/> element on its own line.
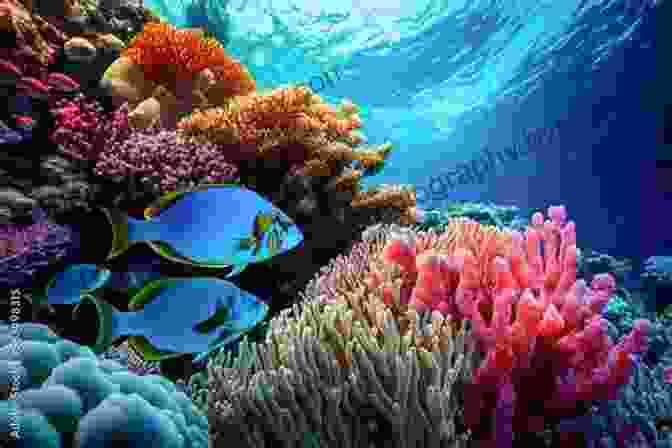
<point x="174" y="316"/>
<point x="67" y="286"/>
<point x="138" y="271"/>
<point x="213" y="226"/>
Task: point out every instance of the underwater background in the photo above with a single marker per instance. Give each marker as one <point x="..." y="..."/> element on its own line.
<point x="442" y="80"/>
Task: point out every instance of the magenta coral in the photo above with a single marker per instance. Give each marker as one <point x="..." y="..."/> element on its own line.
<point x="546" y="350"/>
<point x="80" y="129"/>
<point x="26" y="249"/>
<point x="165" y="158"/>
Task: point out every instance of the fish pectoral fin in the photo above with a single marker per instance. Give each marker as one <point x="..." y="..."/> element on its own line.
<point x="217" y="320"/>
<point x="237" y="269"/>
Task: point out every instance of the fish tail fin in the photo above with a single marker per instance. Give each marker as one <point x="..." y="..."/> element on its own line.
<point x="125" y="231"/>
<point x="237" y="269"/>
<point x="107" y="315"/>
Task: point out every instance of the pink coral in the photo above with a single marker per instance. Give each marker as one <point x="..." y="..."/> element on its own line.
<point x="540" y="329"/>
<point x="81" y="128"/>
<point x="47" y="85"/>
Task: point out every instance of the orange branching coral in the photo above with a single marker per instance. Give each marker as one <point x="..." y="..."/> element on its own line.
<point x="168" y="55"/>
<point x="317" y="168"/>
<point x="369" y="160"/>
<point x="282" y="117"/>
<point x="388" y="197"/>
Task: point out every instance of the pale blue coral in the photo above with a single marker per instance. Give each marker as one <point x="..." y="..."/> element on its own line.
<point x="63" y="388"/>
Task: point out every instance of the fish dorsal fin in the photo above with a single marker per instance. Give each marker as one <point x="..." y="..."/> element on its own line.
<point x="163" y="202"/>
<point x="172" y="197"/>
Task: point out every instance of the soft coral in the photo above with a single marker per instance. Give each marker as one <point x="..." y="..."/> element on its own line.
<point x="539" y="328"/>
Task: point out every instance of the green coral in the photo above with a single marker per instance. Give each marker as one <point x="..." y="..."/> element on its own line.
<point x="88" y="7"/>
<point x="621" y="313"/>
<point x="486" y="214"/>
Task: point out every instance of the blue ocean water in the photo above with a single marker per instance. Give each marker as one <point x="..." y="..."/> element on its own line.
<point x="446" y="80"/>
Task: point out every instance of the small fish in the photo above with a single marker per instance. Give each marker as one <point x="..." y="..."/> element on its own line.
<point x="174" y="316"/>
<point x="208" y="227"/>
<point x="24" y="121"/>
<point x="67" y="286"/>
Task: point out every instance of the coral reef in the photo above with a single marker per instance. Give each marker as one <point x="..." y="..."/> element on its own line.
<point x="195" y="69"/>
<point x="126" y="355"/>
<point x="80" y="128"/>
<point x="70" y="398"/>
<point x="32" y="33"/>
<point x="169" y="56"/>
<point x="546" y="352"/>
<point x="487" y="214"/>
<point x="161" y="157"/>
<point x="534" y="321"/>
<point x="26" y="249"/>
<point x="271" y="121"/>
<point x="394" y="398"/>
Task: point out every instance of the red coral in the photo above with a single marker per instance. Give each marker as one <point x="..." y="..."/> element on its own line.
<point x="168" y="55"/>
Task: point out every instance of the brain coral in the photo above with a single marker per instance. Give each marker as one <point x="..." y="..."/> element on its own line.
<point x="57" y="394"/>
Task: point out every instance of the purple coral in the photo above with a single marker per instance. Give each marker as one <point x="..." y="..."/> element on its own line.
<point x="25" y="249"/>
<point x="165" y="158"/>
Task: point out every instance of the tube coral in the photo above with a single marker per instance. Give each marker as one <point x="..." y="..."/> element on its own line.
<point x="539" y="328"/>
